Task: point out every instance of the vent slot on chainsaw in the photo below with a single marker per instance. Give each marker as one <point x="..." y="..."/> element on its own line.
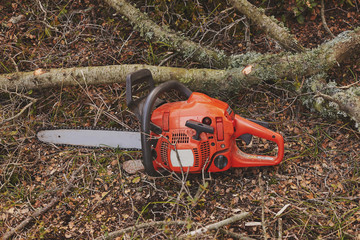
<point x="196" y="155"/>
<point x="164" y="152"/>
<point x="179" y="137"/>
<point x="204" y="151"/>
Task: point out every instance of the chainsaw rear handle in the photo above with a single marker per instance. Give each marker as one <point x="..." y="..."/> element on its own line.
<point x="146" y="118"/>
<point x="241" y="159"/>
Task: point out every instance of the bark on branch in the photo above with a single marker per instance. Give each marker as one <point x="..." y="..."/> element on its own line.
<point x="194" y="78"/>
<point x="269" y="25"/>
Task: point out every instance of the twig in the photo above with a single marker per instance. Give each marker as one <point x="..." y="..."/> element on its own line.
<point x="199" y="193"/>
<point x="322" y="12"/>
<point x="331" y="99"/>
<point x="5" y="173"/>
<point x="42" y="9"/>
<point x="125" y="43"/>
<point x="43" y="210"/>
<point x="18" y="114"/>
<point x="15" y="65"/>
<point x="263" y="222"/>
<point x="349" y="86"/>
<point x="247" y="35"/>
<point x="282" y="210"/>
<point x="280" y="228"/>
<point x="217" y="225"/>
<point x="235" y="235"/>
<point x="305" y="226"/>
<point x="18" y="94"/>
<point x="167" y="59"/>
<point x="33" y="100"/>
<point x="118" y="233"/>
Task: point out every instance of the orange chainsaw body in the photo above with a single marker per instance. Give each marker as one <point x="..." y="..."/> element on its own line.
<point x="200" y="134"/>
<point x="196" y="135"/>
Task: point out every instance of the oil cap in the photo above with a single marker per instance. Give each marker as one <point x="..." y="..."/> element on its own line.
<point x="221" y="161"/>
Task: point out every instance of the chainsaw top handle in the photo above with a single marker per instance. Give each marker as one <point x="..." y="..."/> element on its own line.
<point x="146" y="118"/>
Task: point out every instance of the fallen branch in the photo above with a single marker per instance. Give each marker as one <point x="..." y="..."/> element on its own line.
<point x="153" y="32"/>
<point x="268" y="25"/>
<point x="247" y="35"/>
<point x="43" y="210"/>
<point x="264" y="67"/>
<point x="342" y="102"/>
<point x="118" y="233"/>
<point x="196" y="78"/>
<point x="217" y="225"/>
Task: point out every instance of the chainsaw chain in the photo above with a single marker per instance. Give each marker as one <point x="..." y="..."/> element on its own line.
<point x="88" y="128"/>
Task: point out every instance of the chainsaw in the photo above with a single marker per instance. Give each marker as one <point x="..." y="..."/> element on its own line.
<point x="195" y="135"/>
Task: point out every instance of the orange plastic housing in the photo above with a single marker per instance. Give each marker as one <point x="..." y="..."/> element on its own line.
<point x="177" y="150"/>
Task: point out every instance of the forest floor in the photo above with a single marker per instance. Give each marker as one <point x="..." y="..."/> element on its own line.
<point x="313" y="194"/>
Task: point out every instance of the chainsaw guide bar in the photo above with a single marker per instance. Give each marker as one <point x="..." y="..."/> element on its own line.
<point x="91" y="137"/>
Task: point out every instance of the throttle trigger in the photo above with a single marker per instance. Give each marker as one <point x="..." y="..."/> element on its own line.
<point x="199" y="128"/>
<point x="248" y="137"/>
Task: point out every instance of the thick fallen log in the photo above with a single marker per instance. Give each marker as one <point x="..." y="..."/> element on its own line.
<point x="195" y="78"/>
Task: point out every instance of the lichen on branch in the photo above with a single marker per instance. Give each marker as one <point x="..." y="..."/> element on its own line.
<point x="331" y="100"/>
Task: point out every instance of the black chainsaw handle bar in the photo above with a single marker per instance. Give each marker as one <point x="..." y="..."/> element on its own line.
<point x="146" y="118"/>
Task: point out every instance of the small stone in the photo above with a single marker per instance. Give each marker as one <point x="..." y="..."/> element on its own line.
<point x="133" y="166"/>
